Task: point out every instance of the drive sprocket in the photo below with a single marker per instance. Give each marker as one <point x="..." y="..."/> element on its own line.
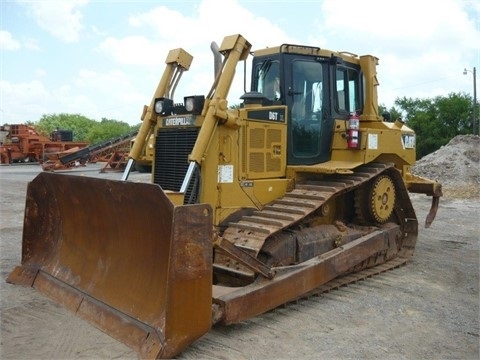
<point x="376" y="203"/>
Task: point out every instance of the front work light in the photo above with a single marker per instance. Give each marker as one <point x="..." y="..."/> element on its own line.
<point x="163" y="106"/>
<point x="194" y="104"/>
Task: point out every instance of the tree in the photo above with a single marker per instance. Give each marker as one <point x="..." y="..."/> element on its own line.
<point x="83" y="128"/>
<point x="455" y="113"/>
<point x="78" y="124"/>
<point x="395" y="114"/>
<point x="436" y="121"/>
<point x="107" y="129"/>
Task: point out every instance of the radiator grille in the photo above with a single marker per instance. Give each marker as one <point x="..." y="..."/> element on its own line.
<point x="172" y="147"/>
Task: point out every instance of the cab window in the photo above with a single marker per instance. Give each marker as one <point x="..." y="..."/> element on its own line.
<point x="347" y="90"/>
<point x="268" y="80"/>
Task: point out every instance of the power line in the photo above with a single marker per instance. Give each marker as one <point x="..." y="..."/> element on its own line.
<point x="426" y="82"/>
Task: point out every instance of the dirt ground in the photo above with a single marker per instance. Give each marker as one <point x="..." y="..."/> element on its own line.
<point x="428" y="309"/>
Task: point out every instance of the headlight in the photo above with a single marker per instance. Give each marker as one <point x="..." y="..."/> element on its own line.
<point x="163" y="106"/>
<point x="194" y="104"/>
<point x="189" y="104"/>
<point x="158" y="106"/>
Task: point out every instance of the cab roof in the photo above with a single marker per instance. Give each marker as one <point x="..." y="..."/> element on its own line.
<point x="308" y="50"/>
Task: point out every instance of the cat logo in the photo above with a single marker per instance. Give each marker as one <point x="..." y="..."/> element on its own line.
<point x="179" y="121"/>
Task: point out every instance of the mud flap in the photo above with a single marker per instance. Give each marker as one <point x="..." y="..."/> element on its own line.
<point x="122" y="256"/>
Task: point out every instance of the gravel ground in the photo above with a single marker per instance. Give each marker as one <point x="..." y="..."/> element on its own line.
<point x="428" y="309"/>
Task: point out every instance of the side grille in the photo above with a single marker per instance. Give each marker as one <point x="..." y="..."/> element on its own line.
<point x="261" y="162"/>
<point x="172" y="147"/>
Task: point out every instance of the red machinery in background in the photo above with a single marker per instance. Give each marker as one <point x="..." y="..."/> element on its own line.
<point x="22" y="143"/>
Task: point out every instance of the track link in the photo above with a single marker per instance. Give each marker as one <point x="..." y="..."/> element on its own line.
<point x="356" y="277"/>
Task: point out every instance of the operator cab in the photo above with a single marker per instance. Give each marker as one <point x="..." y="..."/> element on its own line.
<point x="317" y="87"/>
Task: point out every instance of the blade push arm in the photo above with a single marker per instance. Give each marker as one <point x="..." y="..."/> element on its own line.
<point x="234" y="48"/>
<point x="178" y="61"/>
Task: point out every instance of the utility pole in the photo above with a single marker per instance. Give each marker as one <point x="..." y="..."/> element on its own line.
<point x="475" y="119"/>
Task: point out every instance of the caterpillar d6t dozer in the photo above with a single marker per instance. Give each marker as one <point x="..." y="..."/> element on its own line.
<point x="249" y="207"/>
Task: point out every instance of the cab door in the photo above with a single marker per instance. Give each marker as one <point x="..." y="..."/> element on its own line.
<point x="307" y="97"/>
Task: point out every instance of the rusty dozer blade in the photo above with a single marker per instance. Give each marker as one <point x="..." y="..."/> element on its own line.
<point x="122" y="256"/>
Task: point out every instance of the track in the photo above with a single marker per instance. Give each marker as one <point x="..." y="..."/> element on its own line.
<point x="356" y="277"/>
<point x="251" y="232"/>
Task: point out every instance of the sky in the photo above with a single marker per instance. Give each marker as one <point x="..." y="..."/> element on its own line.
<point x="104" y="59"/>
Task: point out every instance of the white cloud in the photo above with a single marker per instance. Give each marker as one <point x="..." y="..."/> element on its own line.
<point x="31" y="44"/>
<point x="197" y="29"/>
<point x="27" y="101"/>
<point x="96" y="30"/>
<point x="132" y="50"/>
<point x="193" y="31"/>
<point x="89" y="79"/>
<point x="40" y="73"/>
<point x="7" y="42"/>
<point x="21" y="102"/>
<point x="62" y="19"/>
<point x="119" y="95"/>
<point x="410" y="25"/>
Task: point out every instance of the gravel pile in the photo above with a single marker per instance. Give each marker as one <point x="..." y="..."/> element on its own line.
<point x="456" y="166"/>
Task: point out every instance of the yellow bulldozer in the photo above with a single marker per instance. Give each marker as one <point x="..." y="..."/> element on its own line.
<point x="249" y="207"/>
